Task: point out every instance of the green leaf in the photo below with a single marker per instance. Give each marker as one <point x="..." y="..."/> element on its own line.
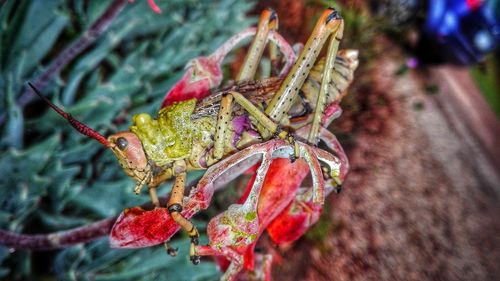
<point x="61" y="179"/>
<point x="37" y="35"/>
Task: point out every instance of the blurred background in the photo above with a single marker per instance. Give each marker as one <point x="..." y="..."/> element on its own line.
<point x="420" y="127"/>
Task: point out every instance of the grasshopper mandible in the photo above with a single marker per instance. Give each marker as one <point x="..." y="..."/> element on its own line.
<point x="185" y="137"/>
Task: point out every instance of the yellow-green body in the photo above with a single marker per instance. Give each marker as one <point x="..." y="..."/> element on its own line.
<point x="173" y="135"/>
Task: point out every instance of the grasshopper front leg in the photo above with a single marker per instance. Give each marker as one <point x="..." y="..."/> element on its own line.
<point x="155" y="182"/>
<point x="175" y="207"/>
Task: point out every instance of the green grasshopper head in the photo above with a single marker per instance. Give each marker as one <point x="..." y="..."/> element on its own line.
<point x="125" y="145"/>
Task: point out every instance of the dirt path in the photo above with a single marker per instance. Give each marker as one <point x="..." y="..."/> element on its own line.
<point x="421" y="201"/>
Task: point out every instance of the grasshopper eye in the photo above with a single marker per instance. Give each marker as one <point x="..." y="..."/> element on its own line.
<point x="121" y="143"/>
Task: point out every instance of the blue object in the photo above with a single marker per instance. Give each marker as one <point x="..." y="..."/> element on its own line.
<point x="462" y="31"/>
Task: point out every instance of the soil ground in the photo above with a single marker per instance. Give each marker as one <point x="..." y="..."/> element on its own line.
<point x="422" y="199"/>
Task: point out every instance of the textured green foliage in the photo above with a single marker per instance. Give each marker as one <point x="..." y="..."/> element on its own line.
<point x="51" y="177"/>
<point x="486" y="78"/>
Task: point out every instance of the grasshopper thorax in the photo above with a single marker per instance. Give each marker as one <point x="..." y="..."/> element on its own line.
<point x="169" y="137"/>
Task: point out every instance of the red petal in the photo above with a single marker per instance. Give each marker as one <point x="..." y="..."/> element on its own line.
<point x="187" y="90"/>
<point x="293" y="222"/>
<point x="280" y="186"/>
<point x="137" y="228"/>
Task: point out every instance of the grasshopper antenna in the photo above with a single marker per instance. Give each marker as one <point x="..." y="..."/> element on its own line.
<point x="79" y="126"/>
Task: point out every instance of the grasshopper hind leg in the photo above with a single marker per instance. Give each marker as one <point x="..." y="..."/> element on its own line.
<point x="268" y="21"/>
<point x="330" y="25"/>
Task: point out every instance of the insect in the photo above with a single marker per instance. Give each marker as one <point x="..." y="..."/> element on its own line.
<point x="235" y="128"/>
<point x="284" y="210"/>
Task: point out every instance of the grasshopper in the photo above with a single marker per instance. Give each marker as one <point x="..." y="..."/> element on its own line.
<point x="199" y="134"/>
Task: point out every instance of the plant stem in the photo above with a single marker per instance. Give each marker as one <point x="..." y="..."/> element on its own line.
<point x="57" y="240"/>
<point x="62" y="239"/>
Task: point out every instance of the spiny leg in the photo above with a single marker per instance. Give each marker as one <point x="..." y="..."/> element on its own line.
<point x="333" y="144"/>
<point x="331" y="166"/>
<point x="170" y="250"/>
<point x="232" y="271"/>
<point x="342" y="76"/>
<point x="274" y="57"/>
<point x="259" y="116"/>
<point x="174" y="206"/>
<point x="318" y="189"/>
<point x="154" y="197"/>
<point x="264" y="268"/>
<point x="325" y="83"/>
<point x="331" y="141"/>
<point x="268" y="124"/>
<point x="285" y="48"/>
<point x="265" y="124"/>
<point x="253" y="197"/>
<point x="223" y="119"/>
<point x="313" y="156"/>
<point x="238" y="226"/>
<point x="268" y="21"/>
<point x="155" y="182"/>
<point x="235" y="259"/>
<point x="282" y="101"/>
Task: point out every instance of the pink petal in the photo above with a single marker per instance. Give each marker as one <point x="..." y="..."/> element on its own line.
<point x="154" y="7"/>
<point x="137" y="228"/>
